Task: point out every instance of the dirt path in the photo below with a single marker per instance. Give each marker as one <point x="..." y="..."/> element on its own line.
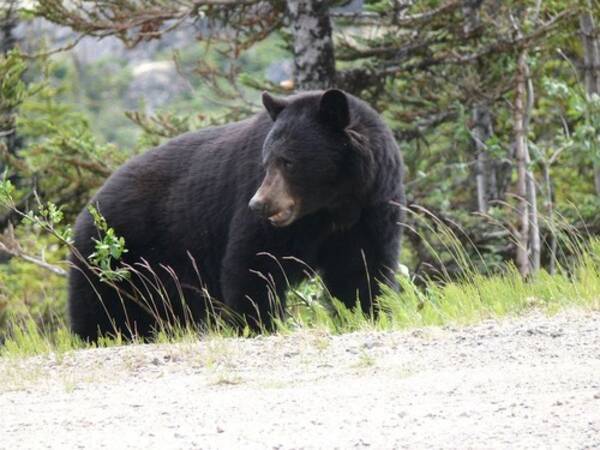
<point x="532" y="382"/>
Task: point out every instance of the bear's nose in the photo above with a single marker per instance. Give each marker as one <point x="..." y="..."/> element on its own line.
<point x="258" y="205"/>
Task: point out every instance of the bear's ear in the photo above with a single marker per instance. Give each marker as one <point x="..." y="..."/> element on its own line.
<point x="273" y="105"/>
<point x="334" y="109"/>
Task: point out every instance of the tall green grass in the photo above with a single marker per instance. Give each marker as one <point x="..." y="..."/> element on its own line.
<point x="471" y="298"/>
<point x="461" y="302"/>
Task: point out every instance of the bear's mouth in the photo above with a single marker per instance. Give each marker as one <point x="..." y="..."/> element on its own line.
<point x="283" y="217"/>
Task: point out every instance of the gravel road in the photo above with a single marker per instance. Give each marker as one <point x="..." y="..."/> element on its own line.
<point x="530" y="382"/>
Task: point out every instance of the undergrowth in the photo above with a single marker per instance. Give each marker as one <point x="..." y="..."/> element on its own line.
<point x="466" y="301"/>
<point x="436" y="303"/>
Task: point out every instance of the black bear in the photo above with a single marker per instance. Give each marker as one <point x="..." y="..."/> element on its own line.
<point x="228" y="217"/>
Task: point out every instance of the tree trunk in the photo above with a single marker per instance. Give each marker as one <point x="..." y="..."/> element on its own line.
<point x="8" y="41"/>
<point x="481" y="130"/>
<point x="549" y="204"/>
<point x="8" y="22"/>
<point x="534" y="227"/>
<point x="535" y="249"/>
<point x="529" y="244"/>
<point x="314" y="62"/>
<point x="522" y="160"/>
<point x="591" y="62"/>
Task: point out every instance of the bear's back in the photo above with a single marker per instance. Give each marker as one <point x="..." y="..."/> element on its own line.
<point x="164" y="191"/>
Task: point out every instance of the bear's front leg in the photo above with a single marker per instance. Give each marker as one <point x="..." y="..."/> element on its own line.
<point x="252" y="283"/>
<point x="355" y="261"/>
<point x="252" y="297"/>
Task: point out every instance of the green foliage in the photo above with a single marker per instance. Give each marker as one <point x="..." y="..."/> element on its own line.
<point x="7" y="192"/>
<point x="49" y="217"/>
<point x="29" y="292"/>
<point x="12" y="88"/>
<point x="97" y="92"/>
<point x="108" y="249"/>
<point x="162" y="125"/>
<point x="62" y="155"/>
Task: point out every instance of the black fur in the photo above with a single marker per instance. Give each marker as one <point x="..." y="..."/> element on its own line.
<point x="188" y="199"/>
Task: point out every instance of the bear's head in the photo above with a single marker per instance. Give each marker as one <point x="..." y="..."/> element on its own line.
<point x="314" y="157"/>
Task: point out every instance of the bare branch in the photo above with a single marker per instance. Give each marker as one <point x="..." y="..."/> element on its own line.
<point x="17" y="252"/>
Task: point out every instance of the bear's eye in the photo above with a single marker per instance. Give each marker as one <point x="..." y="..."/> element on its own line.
<point x="287" y="164"/>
